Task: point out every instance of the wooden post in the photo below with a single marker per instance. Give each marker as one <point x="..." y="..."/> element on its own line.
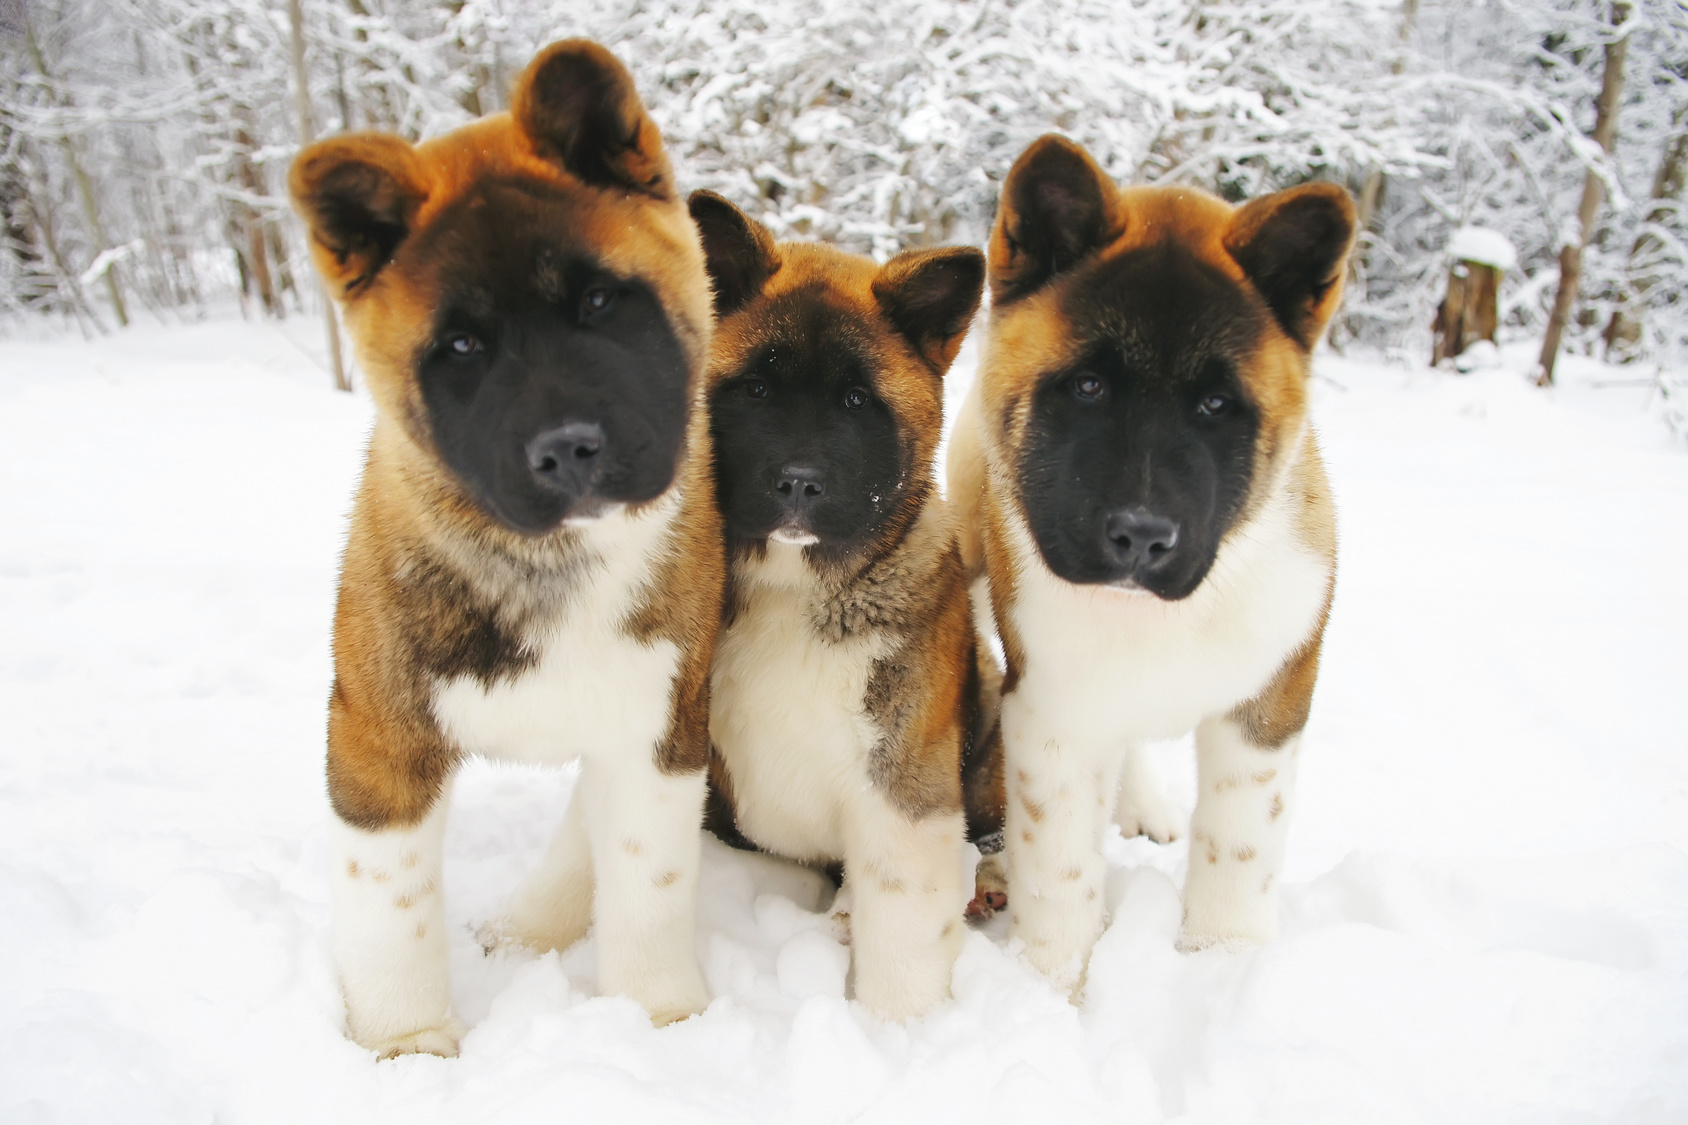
<point x="1470" y="311"/>
<point x="1570" y="256"/>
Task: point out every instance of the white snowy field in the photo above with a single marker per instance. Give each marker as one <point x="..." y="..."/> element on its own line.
<point x="1485" y="915"/>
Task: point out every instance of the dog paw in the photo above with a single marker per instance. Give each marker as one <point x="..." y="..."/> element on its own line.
<point x="441" y="1041"/>
<point x="990" y="890"/>
<point x="1227" y="943"/>
<point x="1152" y="815"/>
<point x="664" y="1013"/>
<point x="838" y="917"/>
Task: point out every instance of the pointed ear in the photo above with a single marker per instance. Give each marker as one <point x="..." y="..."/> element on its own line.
<point x="931" y="296"/>
<point x="577" y="104"/>
<point x="739" y="251"/>
<point x="358" y="195"/>
<point x="1293" y="245"/>
<point x="1057" y="206"/>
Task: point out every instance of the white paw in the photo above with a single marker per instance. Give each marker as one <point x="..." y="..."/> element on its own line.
<point x="1149" y="814"/>
<point x="441" y="1041"/>
<point x="1229" y="943"/>
<point x="665" y="1012"/>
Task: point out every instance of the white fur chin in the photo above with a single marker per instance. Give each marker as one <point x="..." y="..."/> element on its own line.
<point x="1126" y="588"/>
<point x="594" y="517"/>
<point x="795" y="538"/>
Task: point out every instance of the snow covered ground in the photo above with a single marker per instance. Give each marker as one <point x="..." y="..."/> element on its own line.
<point x="1486" y="904"/>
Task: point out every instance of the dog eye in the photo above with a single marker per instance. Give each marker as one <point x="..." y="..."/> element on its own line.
<point x="462" y="345"/>
<point x="1087" y="387"/>
<point x="596" y="301"/>
<point x="756" y="388"/>
<point x="1212" y="405"/>
<point x="855" y="398"/>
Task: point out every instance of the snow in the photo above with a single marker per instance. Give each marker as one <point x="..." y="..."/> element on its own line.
<point x="1484" y="246"/>
<point x="1486" y="901"/>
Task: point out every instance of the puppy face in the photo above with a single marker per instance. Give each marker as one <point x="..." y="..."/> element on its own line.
<point x="825" y="398"/>
<point x="526" y="294"/>
<point x="1148" y="361"/>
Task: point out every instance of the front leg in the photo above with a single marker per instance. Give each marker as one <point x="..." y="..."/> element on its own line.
<point x="389" y="935"/>
<point x="1238" y="837"/>
<point x="1058" y="793"/>
<point x="1245" y="775"/>
<point x="908" y="895"/>
<point x="645" y="829"/>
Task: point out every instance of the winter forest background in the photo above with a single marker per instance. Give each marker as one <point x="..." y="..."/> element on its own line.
<point x="144" y="144"/>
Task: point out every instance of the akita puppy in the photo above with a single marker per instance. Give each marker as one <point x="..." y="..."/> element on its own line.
<point x="534" y="566"/>
<point x="1155" y="522"/>
<point x="844" y="694"/>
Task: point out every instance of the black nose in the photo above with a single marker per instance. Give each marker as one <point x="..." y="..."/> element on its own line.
<point x="799" y="486"/>
<point x="565" y="458"/>
<point x="1139" y="540"/>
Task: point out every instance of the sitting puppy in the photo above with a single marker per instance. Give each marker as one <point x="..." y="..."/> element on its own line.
<point x="844" y="693"/>
<point x="534" y="567"/>
<point x="1138" y="468"/>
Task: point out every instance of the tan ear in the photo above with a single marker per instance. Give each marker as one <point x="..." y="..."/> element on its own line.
<point x="1293" y="245"/>
<point x="577" y="104"/>
<point x="739" y="251"/>
<point x="358" y="195"/>
<point x="1057" y="206"/>
<point x="931" y="296"/>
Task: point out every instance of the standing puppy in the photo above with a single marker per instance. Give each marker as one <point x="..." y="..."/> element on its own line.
<point x="534" y="569"/>
<point x="1154" y="518"/>
<point x="844" y="690"/>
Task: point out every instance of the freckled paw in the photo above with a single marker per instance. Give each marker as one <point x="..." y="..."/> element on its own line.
<point x="441" y="1040"/>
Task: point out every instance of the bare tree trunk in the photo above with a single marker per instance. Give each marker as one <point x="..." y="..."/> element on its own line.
<point x="84" y="187"/>
<point x="1570" y="256"/>
<point x="251" y="222"/>
<point x="307" y="134"/>
<point x="1623" y="331"/>
<point x="1371" y="192"/>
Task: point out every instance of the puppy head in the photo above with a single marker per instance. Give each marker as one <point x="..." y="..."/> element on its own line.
<point x="825" y="397"/>
<point x="526" y="294"/>
<point x="1146" y="374"/>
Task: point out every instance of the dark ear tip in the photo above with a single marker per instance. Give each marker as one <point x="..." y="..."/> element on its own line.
<point x="592" y="57"/>
<point x="967" y="264"/>
<point x="1056" y="141"/>
<point x="704" y="203"/>
<point x="562" y="79"/>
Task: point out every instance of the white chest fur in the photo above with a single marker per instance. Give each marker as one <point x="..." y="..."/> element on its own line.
<point x="1129" y="666"/>
<point x="594" y="688"/>
<point x="786" y="712"/>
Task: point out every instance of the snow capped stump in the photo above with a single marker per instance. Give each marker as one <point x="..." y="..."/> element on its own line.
<point x="1470" y="311"/>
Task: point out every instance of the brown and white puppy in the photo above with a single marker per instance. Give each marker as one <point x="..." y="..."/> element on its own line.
<point x="1137" y="463"/>
<point x="844" y="692"/>
<point x="534" y="567"/>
